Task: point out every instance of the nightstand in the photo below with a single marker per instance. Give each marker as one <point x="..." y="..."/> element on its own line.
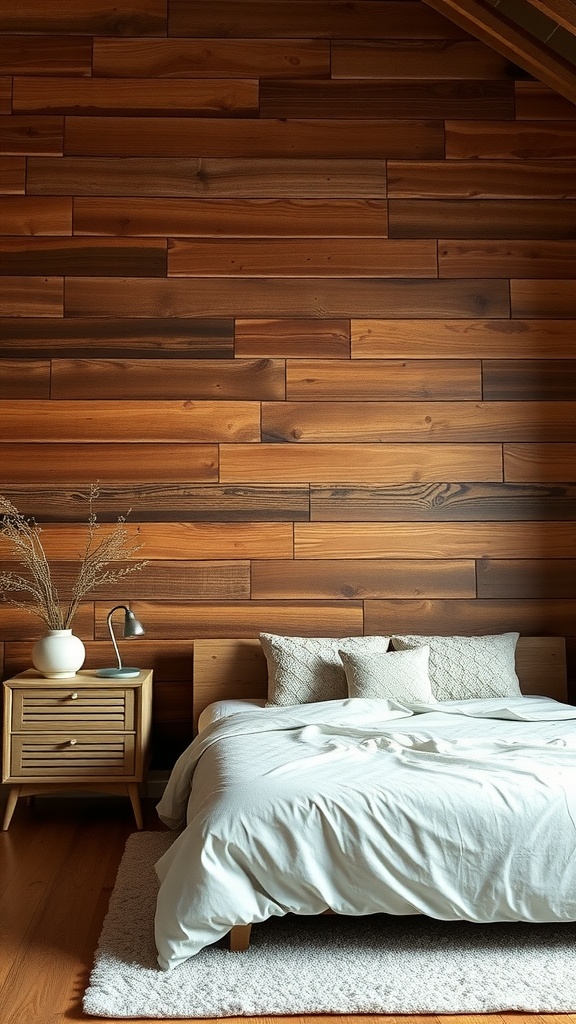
<point x="82" y="733"/>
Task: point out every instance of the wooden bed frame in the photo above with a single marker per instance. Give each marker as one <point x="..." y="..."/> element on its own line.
<point x="225" y="669"/>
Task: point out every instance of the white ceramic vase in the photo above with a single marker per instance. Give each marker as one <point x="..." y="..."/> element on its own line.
<point x="59" y="654"/>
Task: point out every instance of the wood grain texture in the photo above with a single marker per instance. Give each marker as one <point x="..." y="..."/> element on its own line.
<point x="22" y="378"/>
<point x="535" y="100"/>
<point x="416" y="59"/>
<point x="17" y="624"/>
<point x="31" y="296"/>
<point x="539" y="462"/>
<point x="549" y="299"/>
<point x="481" y="179"/>
<point x="363" y="578"/>
<point x="171" y="662"/>
<point x="530" y="578"/>
<point x="28" y="135"/>
<point x="5" y="94"/>
<point x="494" y="218"/>
<point x="382" y="380"/>
<point x="297" y="338"/>
<point x="515" y="140"/>
<point x="538" y="380"/>
<point x="135" y="18"/>
<point x="447" y="618"/>
<point x="12" y="175"/>
<point x="108" y="463"/>
<point x="535" y="258"/>
<point x="465" y="339"/>
<point x="31" y="215"/>
<point x="211" y="58"/>
<point x="45" y="55"/>
<point x="138" y="338"/>
<point x="106" y="257"/>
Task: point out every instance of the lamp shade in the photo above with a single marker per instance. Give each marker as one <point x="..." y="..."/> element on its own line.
<point x="132" y="628"/>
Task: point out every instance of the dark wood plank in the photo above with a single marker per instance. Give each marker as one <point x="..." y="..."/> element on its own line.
<point x="81" y="464"/>
<point x="45" y="55"/>
<point x="134" y="97"/>
<point x="482" y="218"/>
<point x="416" y="59"/>
<point x="443" y="502"/>
<point x="363" y="578"/>
<point x="168" y="337"/>
<point x="106" y="257"/>
<point x="290" y="337"/>
<point x="29" y="135"/>
<point x="528" y="578"/>
<point x="535" y="100"/>
<point x="533" y="259"/>
<point x="18" y="624"/>
<point x="192" y="379"/>
<point x="529" y="380"/>
<point x="300" y="257"/>
<point x="549" y="299"/>
<point x="242" y="178"/>
<point x="543" y="463"/>
<point x="214" y="58"/>
<point x="5" y="95"/>
<point x="31" y="215"/>
<point x="135" y="18"/>
<point x="170" y="660"/>
<point x="465" y="339"/>
<point x="481" y="179"/>
<point x="231" y="217"/>
<point x="24" y="378"/>
<point x="382" y="380"/>
<point x="516" y="140"/>
<point x="462" y="617"/>
<point x="12" y="175"/>
<point x="297" y="297"/>
<point x="370" y="98"/>
<point x="247" y="137"/>
<point x="31" y="296"/>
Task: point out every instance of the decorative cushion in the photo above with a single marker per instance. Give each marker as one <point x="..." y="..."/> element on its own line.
<point x="397" y="675"/>
<point x="462" y="667"/>
<point x="305" y="669"/>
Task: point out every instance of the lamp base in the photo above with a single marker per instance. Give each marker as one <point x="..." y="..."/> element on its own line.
<point x="118" y="673"/>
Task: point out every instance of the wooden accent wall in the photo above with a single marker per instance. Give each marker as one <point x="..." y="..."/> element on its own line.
<point x="295" y="282"/>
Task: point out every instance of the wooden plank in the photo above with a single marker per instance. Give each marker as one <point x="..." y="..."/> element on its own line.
<point x="358" y="463"/>
<point x="443" y="502"/>
<point x="31" y="215"/>
<point x="549" y="299"/>
<point x="291" y="337"/>
<point x="5" y="95"/>
<point x="138" y="338"/>
<point x="316" y="257"/>
<point x="544" y="463"/>
<point x="516" y="140"/>
<point x="31" y="296"/>
<point x="247" y="137"/>
<point x="456" y="422"/>
<point x="108" y="463"/>
<point x="465" y="339"/>
<point x="475" y="258"/>
<point x="368" y="98"/>
<point x="137" y="18"/>
<point x="12" y="175"/>
<point x="152" y="421"/>
<point x="242" y="178"/>
<point x="216" y="58"/>
<point x="481" y="218"/>
<point x="24" y="378"/>
<point x="134" y="97"/>
<point x="382" y="380"/>
<point x="236" y="217"/>
<point x="481" y="179"/>
<point x="45" y="55"/>
<point x="434" y="540"/>
<point x="535" y="100"/>
<point x="507" y="380"/>
<point x="528" y="578"/>
<point x="18" y="624"/>
<point x="193" y="379"/>
<point x="296" y="297"/>
<point x="416" y="59"/>
<point x="106" y="257"/>
<point x="29" y="135"/>
<point x="465" y="618"/>
<point x="362" y="578"/>
<point x="170" y="661"/>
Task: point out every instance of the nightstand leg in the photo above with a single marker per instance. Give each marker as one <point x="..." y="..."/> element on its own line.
<point x="134" y="795"/>
<point x="10" y="806"/>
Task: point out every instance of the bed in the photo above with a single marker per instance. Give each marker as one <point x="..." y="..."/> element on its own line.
<point x="362" y="805"/>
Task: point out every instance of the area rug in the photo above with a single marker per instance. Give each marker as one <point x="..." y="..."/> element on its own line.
<point x="295" y="965"/>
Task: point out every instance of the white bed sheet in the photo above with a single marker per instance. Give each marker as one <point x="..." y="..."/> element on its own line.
<point x="467" y="811"/>
<point x="222" y="708"/>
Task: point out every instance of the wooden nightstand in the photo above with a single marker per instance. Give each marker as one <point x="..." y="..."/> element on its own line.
<point x="79" y="733"/>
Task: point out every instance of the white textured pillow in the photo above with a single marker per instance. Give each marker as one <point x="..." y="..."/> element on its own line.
<point x="397" y="675"/>
<point x="462" y="667"/>
<point x="306" y="669"/>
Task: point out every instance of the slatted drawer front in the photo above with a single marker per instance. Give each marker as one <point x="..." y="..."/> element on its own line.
<point x="72" y="756"/>
<point x="81" y="710"/>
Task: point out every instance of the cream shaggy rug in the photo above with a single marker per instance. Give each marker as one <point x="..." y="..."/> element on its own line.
<point x="324" y="964"/>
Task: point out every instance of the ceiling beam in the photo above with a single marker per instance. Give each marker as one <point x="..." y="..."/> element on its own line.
<point x="561" y="11"/>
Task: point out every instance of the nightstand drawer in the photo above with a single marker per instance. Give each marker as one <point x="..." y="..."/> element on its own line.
<point x="67" y="708"/>
<point x="76" y="756"/>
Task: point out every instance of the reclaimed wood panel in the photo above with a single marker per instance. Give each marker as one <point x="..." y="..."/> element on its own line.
<point x="481" y="179"/>
<point x="314" y="257"/>
<point x="470" y="618"/>
<point x="535" y="100"/>
<point x="507" y="380"/>
<point x="549" y="299"/>
<point x="514" y="140"/>
<point x="235" y="217"/>
<point x="416" y="59"/>
<point x="134" y="97"/>
<point x="5" y="95"/>
<point x="28" y="135"/>
<point x="23" y="378"/>
<point x="45" y="55"/>
<point x="443" y="502"/>
<point x="107" y="463"/>
<point x="293" y="338"/>
<point x="535" y="258"/>
<point x="12" y="175"/>
<point x="106" y="257"/>
<point x="358" y="463"/>
<point x="135" y="18"/>
<point x="139" y="338"/>
<point x="214" y="58"/>
<point x="482" y="218"/>
<point x="465" y="339"/>
<point x="305" y="422"/>
<point x="31" y="296"/>
<point x="241" y="178"/>
<point x="383" y="380"/>
<point x="135" y="421"/>
<point x="434" y="540"/>
<point x="31" y="215"/>
<point x="193" y="379"/>
<point x="528" y="578"/>
<point x="363" y="578"/>
<point x="17" y="624"/>
<point x="539" y="462"/>
<point x="171" y="661"/>
<point x="246" y="137"/>
<point x="365" y="98"/>
<point x="205" y="297"/>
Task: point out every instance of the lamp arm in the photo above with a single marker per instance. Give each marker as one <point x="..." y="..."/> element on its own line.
<point x="112" y="637"/>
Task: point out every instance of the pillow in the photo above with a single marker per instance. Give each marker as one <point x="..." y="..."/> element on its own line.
<point x="462" y="667"/>
<point x="305" y="669"/>
<point x="398" y="675"/>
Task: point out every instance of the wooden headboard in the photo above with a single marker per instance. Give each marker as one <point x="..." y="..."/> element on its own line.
<point x="237" y="668"/>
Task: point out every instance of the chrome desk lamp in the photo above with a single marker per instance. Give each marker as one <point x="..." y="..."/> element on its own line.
<point x="132" y="628"/>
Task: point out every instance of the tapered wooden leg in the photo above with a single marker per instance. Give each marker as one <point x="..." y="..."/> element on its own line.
<point x="134" y="794"/>
<point x="240" y="937"/>
<point x="10" y="806"/>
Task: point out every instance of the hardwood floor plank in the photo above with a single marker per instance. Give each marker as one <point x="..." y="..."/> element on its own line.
<point x="119" y="463"/>
<point x="214" y="58"/>
<point x="382" y="380"/>
<point x="464" y="339"/>
<point x="290" y="337"/>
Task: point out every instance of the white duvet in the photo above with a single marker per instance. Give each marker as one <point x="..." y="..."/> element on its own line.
<point x="461" y="810"/>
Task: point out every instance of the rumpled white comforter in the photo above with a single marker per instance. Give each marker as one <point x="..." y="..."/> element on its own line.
<point x="461" y="810"/>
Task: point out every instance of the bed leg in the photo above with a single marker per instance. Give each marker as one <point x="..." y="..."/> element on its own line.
<point x="240" y="937"/>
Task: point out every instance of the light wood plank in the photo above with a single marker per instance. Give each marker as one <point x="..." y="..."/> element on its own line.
<point x="31" y="296"/>
<point x="31" y="215"/>
<point x="363" y="578"/>
<point x="382" y="380"/>
<point x="17" y="624"/>
<point x="296" y="338"/>
<point x="120" y="463"/>
<point x="211" y="58"/>
<point x="464" y="339"/>
<point x="543" y="298"/>
<point x="545" y="463"/>
<point x="133" y="96"/>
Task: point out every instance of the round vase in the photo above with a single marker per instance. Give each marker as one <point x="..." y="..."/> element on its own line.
<point x="59" y="654"/>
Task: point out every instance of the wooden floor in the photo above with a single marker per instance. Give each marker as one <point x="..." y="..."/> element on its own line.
<point x="58" y="863"/>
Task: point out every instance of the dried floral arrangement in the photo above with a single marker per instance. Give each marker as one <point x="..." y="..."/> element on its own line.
<point x="23" y="535"/>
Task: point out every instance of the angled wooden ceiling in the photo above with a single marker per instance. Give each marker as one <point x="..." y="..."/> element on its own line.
<point x="537" y="35"/>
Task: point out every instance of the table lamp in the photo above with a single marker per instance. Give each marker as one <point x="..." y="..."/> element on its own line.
<point x="132" y="628"/>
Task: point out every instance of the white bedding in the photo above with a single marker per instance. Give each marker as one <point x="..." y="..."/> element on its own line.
<point x="466" y="811"/>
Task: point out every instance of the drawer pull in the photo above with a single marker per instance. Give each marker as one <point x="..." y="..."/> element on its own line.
<point x="73" y="696"/>
<point x="72" y="743"/>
